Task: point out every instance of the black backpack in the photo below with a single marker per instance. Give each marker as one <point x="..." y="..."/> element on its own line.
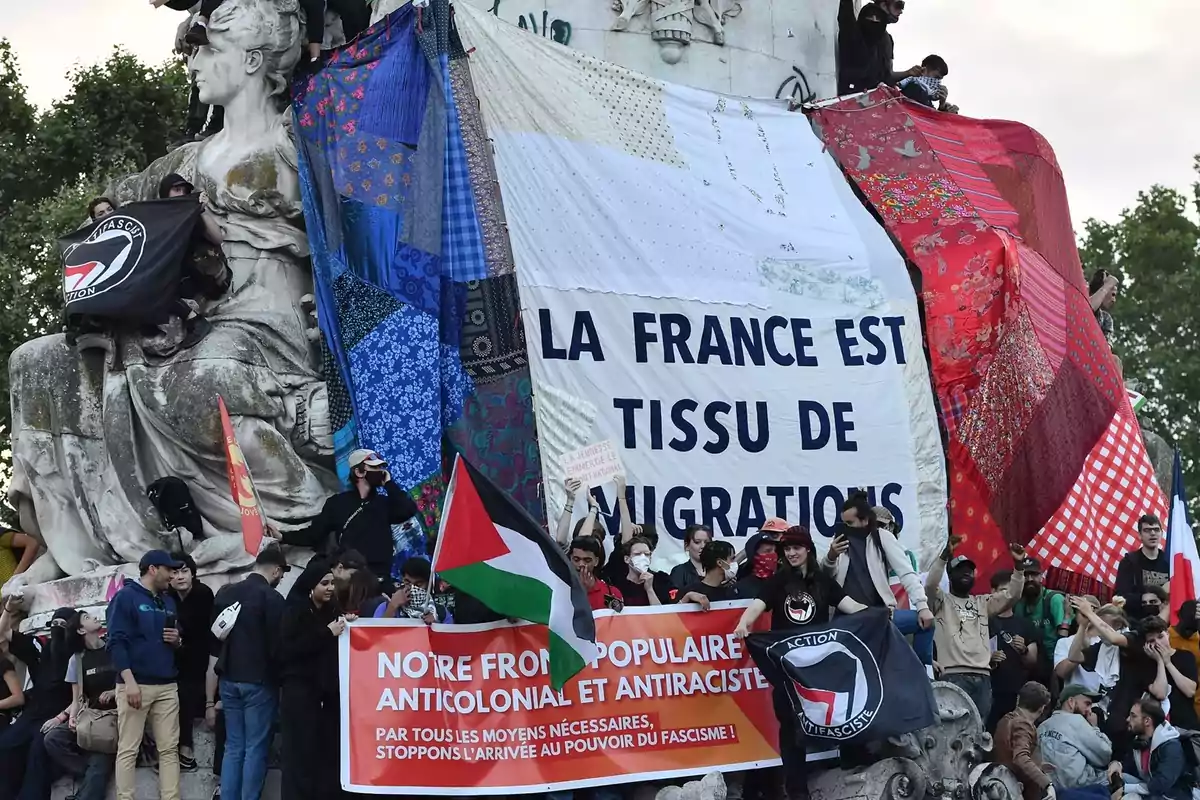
<point x="1191" y="755"/>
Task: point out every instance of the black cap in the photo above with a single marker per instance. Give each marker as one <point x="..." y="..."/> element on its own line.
<point x="272" y="556"/>
<point x="172" y="180"/>
<point x="961" y="561"/>
<point x="158" y="558"/>
<point x="1031" y="565"/>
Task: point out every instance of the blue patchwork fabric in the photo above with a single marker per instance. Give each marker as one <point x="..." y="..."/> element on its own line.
<point x="391" y="310"/>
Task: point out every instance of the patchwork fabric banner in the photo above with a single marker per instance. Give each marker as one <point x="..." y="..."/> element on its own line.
<point x="415" y="294"/>
<point x="701" y="287"/>
<point x="1044" y="446"/>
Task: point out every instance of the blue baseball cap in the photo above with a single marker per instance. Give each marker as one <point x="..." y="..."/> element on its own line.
<point x="158" y="558"/>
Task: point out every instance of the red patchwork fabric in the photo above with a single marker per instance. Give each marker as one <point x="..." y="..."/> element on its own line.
<point x="1043" y="449"/>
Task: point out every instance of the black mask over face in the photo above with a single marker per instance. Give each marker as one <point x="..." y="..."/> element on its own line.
<point x="375" y="478"/>
<point x="962" y="583"/>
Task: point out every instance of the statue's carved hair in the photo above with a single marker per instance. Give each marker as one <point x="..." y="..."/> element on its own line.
<point x="273" y="27"/>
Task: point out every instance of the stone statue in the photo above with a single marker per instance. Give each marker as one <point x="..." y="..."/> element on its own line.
<point x="671" y="21"/>
<point x="947" y="760"/>
<point x="93" y="425"/>
<point x="710" y="787"/>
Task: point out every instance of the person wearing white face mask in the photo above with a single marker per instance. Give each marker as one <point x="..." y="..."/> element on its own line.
<point x="640" y="585"/>
<point x="720" y="576"/>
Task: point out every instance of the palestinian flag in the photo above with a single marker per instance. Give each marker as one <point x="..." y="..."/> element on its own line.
<point x="490" y="548"/>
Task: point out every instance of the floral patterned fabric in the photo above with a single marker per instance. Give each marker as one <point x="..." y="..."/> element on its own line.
<point x="1027" y="386"/>
<point x="398" y="251"/>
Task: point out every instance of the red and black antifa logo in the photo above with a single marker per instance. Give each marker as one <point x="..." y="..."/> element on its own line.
<point x="104" y="259"/>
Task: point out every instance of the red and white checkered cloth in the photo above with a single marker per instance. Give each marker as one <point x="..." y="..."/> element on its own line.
<point x="1097" y="523"/>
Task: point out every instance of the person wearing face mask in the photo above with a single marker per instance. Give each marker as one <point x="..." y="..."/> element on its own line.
<point x="1156" y="603"/>
<point x="866" y="51"/>
<point x="720" y="577"/>
<point x="361" y="518"/>
<point x="800" y="594"/>
<point x="860" y="559"/>
<point x="762" y="561"/>
<point x="962" y="631"/>
<point x="309" y="708"/>
<point x="638" y="584"/>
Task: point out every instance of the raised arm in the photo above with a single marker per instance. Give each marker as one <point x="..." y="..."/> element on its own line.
<point x="1000" y="602"/>
<point x="627" y="528"/>
<point x="900" y="564"/>
<point x="562" y="534"/>
<point x="1102" y="628"/>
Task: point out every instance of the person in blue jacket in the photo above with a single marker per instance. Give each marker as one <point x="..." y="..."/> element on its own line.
<point x="1156" y="768"/>
<point x="143" y="634"/>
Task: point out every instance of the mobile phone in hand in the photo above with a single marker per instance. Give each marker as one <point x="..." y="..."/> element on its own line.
<point x="170" y="619"/>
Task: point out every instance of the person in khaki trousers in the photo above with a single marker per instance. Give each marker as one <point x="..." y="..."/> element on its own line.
<point x="143" y="634"/>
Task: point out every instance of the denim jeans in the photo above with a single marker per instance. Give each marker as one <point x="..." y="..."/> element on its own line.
<point x="977" y="687"/>
<point x="907" y="623"/>
<point x="249" y="718"/>
<point x="96" y="768"/>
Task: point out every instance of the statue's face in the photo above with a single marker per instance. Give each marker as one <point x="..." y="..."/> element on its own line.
<point x="223" y="68"/>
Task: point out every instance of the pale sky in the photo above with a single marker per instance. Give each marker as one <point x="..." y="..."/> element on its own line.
<point x="1108" y="82"/>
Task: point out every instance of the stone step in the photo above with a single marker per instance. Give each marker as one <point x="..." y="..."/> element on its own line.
<point x="198" y="785"/>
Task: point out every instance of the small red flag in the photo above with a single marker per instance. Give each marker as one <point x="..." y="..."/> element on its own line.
<point x="241" y="486"/>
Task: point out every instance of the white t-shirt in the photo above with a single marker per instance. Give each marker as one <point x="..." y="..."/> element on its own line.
<point x="1108" y="665"/>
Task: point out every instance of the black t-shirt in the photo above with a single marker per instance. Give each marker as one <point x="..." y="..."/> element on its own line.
<point x="99" y="675"/>
<point x="726" y="591"/>
<point x="1153" y="571"/>
<point x="1010" y="675"/>
<point x="1138" y="671"/>
<point x="796" y="600"/>
<point x="635" y="593"/>
<point x="858" y="583"/>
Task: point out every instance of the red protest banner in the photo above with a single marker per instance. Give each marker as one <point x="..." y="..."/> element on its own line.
<point x="468" y="710"/>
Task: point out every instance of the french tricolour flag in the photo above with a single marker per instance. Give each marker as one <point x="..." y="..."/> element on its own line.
<point x="1185" y="563"/>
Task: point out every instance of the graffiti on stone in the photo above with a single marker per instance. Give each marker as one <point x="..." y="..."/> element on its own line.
<point x="558" y="30"/>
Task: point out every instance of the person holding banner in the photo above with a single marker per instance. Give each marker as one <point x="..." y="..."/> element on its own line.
<point x="799" y="595"/>
<point x="720" y="577"/>
<point x="638" y="584"/>
<point x="695" y="537"/>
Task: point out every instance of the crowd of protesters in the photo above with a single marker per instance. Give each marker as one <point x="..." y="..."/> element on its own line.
<point x="1081" y="697"/>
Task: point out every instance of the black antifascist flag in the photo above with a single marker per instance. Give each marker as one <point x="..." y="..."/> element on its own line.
<point x="851" y="680"/>
<point x="127" y="266"/>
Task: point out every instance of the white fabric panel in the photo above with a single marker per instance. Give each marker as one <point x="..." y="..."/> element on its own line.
<point x="636" y="208"/>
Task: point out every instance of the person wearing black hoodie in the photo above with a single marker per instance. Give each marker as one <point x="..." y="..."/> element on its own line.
<point x="49" y="699"/>
<point x="866" y="51"/>
<point x="310" y="701"/>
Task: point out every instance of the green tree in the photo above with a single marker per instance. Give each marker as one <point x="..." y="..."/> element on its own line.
<point x="1155" y="248"/>
<point x="118" y="117"/>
